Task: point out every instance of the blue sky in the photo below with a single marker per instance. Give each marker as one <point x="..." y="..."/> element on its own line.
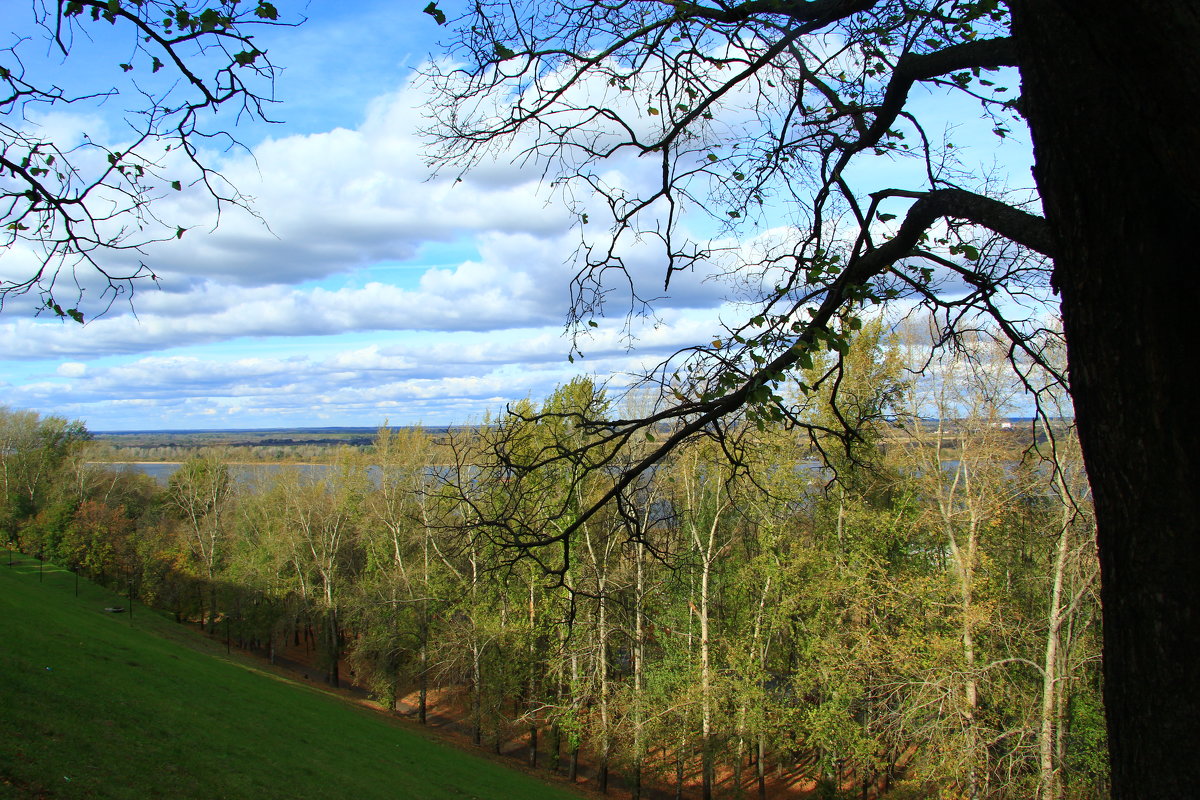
<point x="373" y="291"/>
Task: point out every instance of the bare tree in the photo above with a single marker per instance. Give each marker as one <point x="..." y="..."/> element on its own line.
<point x="84" y="209"/>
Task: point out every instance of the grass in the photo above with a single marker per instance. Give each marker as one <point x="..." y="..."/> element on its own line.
<point x="101" y="705"/>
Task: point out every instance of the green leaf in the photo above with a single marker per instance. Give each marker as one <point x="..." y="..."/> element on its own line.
<point x="886" y="217"/>
<point x="156" y="65"/>
<point x="211" y="19"/>
<point x="503" y="52"/>
<point x="593" y="324"/>
<point x="712" y="156"/>
<point x="179" y="232"/>
<point x="177" y="186"/>
<point x="438" y="15"/>
<point x="246" y="57"/>
<point x="652" y="111"/>
<point x="267" y="11"/>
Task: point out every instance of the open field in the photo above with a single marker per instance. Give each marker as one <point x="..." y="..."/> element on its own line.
<point x="105" y="705"/>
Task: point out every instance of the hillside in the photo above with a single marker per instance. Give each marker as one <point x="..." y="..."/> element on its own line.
<point x="105" y="705"/>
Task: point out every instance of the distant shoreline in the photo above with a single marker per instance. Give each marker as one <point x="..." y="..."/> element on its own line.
<point x="231" y="463"/>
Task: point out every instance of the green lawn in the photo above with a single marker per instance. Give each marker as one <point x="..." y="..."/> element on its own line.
<point x="94" y="706"/>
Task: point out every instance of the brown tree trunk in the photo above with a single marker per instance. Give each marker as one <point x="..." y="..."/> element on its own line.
<point x="555" y="748"/>
<point x="1111" y="91"/>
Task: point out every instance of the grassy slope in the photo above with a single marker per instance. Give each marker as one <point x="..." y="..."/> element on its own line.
<point x="92" y="706"/>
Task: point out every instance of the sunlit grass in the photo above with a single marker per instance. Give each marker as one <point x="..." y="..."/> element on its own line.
<point x="99" y="704"/>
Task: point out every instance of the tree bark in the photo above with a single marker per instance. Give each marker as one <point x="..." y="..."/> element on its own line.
<point x="1110" y="90"/>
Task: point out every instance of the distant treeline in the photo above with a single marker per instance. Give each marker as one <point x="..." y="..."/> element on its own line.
<point x="309" y="445"/>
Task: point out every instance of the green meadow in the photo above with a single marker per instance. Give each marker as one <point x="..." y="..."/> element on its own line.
<point x="96" y="704"/>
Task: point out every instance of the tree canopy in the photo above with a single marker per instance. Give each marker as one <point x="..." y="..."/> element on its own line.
<point x="771" y="118"/>
<point x="766" y="110"/>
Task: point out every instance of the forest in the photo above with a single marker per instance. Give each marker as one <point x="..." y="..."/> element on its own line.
<point x="910" y="612"/>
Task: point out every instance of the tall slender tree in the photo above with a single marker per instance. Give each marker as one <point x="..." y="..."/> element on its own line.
<point x="200" y="492"/>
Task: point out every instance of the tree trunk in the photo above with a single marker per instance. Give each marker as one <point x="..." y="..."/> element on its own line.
<point x="639" y="649"/>
<point x="333" y="646"/>
<point x="423" y="678"/>
<point x="1110" y="89"/>
<point x="476" y="697"/>
<point x="679" y="769"/>
<point x="1048" y="784"/>
<point x="423" y="690"/>
<point x="760" y="767"/>
<point x="531" y="700"/>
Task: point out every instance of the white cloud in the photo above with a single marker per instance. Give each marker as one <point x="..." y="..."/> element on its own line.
<point x="308" y="296"/>
<point x="72" y="369"/>
<point x="448" y="379"/>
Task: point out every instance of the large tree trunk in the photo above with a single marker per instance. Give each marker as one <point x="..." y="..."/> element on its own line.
<point x="1111" y="91"/>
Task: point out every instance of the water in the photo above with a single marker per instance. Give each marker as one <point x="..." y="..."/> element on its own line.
<point x="162" y="471"/>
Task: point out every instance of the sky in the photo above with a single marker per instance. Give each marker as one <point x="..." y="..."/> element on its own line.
<point x="369" y="290"/>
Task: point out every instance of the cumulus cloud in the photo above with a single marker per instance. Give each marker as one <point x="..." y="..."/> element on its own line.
<point x="449" y="378"/>
<point x="331" y="202"/>
<point x="303" y="290"/>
